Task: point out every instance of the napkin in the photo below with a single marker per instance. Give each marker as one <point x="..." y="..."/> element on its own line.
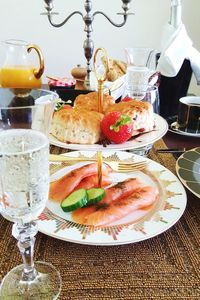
<point x="194" y="57"/>
<point x="175" y="47"/>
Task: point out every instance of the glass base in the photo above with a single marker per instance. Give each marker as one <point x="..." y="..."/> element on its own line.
<point x="46" y="285"/>
<point x="142" y="151"/>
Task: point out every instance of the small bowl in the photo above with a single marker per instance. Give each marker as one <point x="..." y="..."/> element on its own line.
<point x="70" y="94"/>
<point x="61" y="83"/>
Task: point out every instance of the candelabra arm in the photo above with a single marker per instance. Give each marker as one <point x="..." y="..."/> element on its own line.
<point x="65" y="21"/>
<point x="113" y="23"/>
<point x="88" y="44"/>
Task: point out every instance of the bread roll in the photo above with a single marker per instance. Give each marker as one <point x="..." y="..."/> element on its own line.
<point x="90" y="101"/>
<point x="140" y="112"/>
<point x="76" y="126"/>
<point x="116" y="68"/>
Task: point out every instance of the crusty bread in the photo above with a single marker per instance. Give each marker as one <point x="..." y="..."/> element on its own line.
<point x="90" y="101"/>
<point x="116" y="68"/>
<point x="140" y="112"/>
<point x="76" y="126"/>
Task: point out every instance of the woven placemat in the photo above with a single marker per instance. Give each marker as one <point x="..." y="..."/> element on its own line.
<point x="164" y="267"/>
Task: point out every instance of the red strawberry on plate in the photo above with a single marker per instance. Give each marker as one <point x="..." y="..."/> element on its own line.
<point x="67" y="106"/>
<point x="117" y="127"/>
<point x="127" y="99"/>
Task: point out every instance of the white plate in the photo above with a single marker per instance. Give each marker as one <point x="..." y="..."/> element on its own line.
<point x="188" y="170"/>
<point x="137" y="142"/>
<point x="136" y="227"/>
<point x="173" y="128"/>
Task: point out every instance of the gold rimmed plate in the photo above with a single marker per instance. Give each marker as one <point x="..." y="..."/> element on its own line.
<point x="188" y="170"/>
<point x="137" y="226"/>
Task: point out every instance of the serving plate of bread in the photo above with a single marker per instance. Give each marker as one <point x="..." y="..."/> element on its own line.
<point x="79" y="128"/>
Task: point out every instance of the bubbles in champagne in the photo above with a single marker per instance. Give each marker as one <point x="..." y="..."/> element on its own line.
<point x="24" y="178"/>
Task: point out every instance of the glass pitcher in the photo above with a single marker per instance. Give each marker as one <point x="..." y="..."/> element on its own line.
<point x="17" y="70"/>
<point x="140" y="57"/>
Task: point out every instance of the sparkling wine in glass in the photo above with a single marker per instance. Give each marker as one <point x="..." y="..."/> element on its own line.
<point x="24" y="184"/>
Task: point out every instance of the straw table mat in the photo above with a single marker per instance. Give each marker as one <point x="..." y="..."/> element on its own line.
<point x="164" y="267"/>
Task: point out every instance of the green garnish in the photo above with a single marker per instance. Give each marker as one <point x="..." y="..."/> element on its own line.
<point x="124" y="120"/>
<point x="60" y="104"/>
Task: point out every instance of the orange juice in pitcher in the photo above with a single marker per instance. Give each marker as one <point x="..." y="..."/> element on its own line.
<point x="19" y="77"/>
<point x="17" y="72"/>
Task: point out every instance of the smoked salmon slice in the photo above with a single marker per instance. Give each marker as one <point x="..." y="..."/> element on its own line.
<point x="121" y="190"/>
<point x="62" y="187"/>
<point x="141" y="198"/>
<point x="114" y="193"/>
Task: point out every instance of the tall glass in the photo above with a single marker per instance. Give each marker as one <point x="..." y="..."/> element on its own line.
<point x="144" y="93"/>
<point x="24" y="184"/>
<point x="140" y="65"/>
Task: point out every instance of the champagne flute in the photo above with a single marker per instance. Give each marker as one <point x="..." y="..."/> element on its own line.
<point x="24" y="183"/>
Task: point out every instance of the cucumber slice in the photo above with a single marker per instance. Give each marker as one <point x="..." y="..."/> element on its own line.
<point x="76" y="199"/>
<point x="95" y="195"/>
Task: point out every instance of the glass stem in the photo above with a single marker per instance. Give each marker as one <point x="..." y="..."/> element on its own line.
<point x="25" y="234"/>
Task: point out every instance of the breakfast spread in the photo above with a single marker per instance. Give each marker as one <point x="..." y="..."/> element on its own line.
<point x="119" y="122"/>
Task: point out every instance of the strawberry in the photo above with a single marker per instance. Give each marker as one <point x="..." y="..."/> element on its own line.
<point x="117" y="127"/>
<point x="66" y="106"/>
<point x="126" y="99"/>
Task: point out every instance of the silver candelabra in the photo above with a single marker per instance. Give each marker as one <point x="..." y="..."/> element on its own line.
<point x="88" y="18"/>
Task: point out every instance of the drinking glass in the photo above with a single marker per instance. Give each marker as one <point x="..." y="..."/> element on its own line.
<point x="145" y="93"/>
<point x="24" y="183"/>
<point x="140" y="65"/>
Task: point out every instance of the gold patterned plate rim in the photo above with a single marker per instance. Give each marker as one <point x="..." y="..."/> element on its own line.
<point x="161" y="217"/>
<point x="188" y="170"/>
<point x="142" y="140"/>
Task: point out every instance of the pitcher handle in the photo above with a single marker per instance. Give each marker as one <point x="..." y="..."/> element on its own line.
<point x="37" y="72"/>
<point x="154" y="79"/>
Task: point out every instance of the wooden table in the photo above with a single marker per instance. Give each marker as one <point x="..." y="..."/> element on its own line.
<point x="174" y="140"/>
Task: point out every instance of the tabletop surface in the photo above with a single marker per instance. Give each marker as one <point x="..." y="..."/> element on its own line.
<point x="163" y="267"/>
